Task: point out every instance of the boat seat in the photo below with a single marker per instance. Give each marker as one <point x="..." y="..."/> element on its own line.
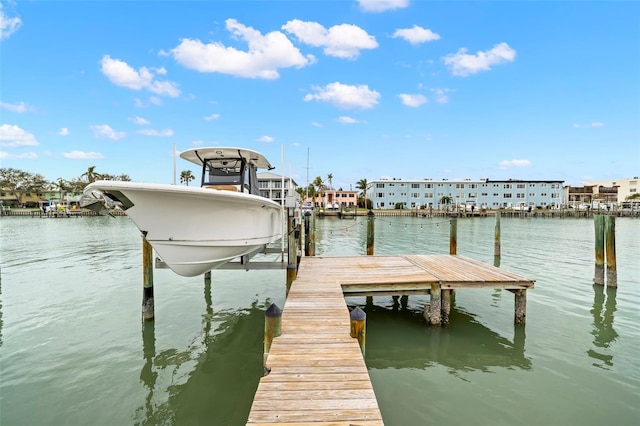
<point x="223" y="187"/>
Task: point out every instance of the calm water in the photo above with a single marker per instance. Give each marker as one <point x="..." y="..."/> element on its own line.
<point x="73" y="350"/>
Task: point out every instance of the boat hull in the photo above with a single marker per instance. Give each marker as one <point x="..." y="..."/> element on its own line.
<point x="193" y="229"/>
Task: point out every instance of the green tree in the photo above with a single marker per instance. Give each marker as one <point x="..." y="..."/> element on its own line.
<point x="362" y="186"/>
<point x="330" y="180"/>
<point x="633" y="196"/>
<point x="186" y="176"/>
<point x="62" y="187"/>
<point x="91" y="174"/>
<point x="446" y="201"/>
<point x="18" y="182"/>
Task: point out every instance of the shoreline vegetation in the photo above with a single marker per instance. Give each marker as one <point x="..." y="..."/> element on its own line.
<point x="361" y="212"/>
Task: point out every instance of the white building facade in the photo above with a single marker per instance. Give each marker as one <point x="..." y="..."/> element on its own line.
<point x="270" y="185"/>
<point x="483" y="193"/>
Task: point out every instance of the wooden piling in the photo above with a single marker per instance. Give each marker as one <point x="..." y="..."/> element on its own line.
<point x="313" y="234"/>
<point x="147" y="280"/>
<point x="520" y="306"/>
<point x="291" y="251"/>
<point x="446" y="306"/>
<point x="307" y="235"/>
<point x="359" y="326"/>
<point x="610" y="249"/>
<point x="496" y="242"/>
<point x="598" y="277"/>
<point x="453" y="236"/>
<point x="272" y="328"/>
<point x="432" y="311"/>
<point x="370" y="232"/>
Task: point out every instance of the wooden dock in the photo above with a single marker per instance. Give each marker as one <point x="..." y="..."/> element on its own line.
<point x="317" y="374"/>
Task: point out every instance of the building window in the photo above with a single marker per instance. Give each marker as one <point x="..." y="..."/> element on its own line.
<point x="519" y="195"/>
<point x="415" y="195"/>
<point x="428" y="185"/>
<point x="428" y="195"/>
<point x="459" y="185"/>
<point x="380" y="195"/>
<point x="507" y="195"/>
<point x="415" y="185"/>
<point x="532" y="185"/>
<point x="508" y="186"/>
<point x="544" y="194"/>
<point x="544" y="185"/>
<point x="555" y="186"/>
<point x="392" y="194"/>
<point x="485" y="194"/>
<point x="555" y="195"/>
<point x="473" y="195"/>
<point x="520" y="186"/>
<point x="379" y="185"/>
<point x="403" y="194"/>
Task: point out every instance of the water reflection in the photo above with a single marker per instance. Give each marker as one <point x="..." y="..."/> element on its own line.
<point x="197" y="385"/>
<point x="397" y="337"/>
<point x="603" y="332"/>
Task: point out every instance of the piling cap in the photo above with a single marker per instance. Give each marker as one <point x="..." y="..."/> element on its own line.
<point x="273" y="311"/>
<point x="357" y="314"/>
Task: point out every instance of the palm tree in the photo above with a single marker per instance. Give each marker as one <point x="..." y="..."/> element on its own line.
<point x="330" y="179"/>
<point x="362" y="186"/>
<point x="446" y="200"/>
<point x="63" y="187"/>
<point x="186" y="176"/>
<point x="91" y="174"/>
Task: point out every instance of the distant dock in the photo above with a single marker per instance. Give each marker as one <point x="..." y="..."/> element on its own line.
<point x="317" y="373"/>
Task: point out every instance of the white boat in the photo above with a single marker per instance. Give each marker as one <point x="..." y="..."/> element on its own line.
<point x="196" y="229"/>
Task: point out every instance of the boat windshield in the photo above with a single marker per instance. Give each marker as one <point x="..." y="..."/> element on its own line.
<point x="223" y="172"/>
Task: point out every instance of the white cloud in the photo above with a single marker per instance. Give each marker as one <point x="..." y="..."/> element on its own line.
<point x="463" y="64"/>
<point x="441" y="95"/>
<point x="63" y="131"/>
<point x="416" y="34"/>
<point x="155" y="100"/>
<point x="104" y="130"/>
<point x="8" y="24"/>
<point x="265" y="139"/>
<point x="139" y="121"/>
<point x="211" y="117"/>
<point x="347" y="120"/>
<point x="153" y="132"/>
<point x="316" y="124"/>
<point x="138" y="103"/>
<point x="341" y="41"/>
<point x="122" y="74"/>
<point x="266" y="54"/>
<point x="412" y="100"/>
<point x="588" y="125"/>
<point x="382" y="5"/>
<point x="79" y="155"/>
<point x="345" y="96"/>
<point x="505" y="164"/>
<point x="26" y="156"/>
<point x="13" y="136"/>
<point x="20" y="107"/>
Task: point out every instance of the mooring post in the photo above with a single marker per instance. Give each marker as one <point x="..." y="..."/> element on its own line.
<point x="370" y="232"/>
<point x="312" y="249"/>
<point x="598" y="221"/>
<point x="359" y="326"/>
<point x="610" y="249"/>
<point x="496" y="242"/>
<point x="307" y="234"/>
<point x="404" y="301"/>
<point x="520" y="306"/>
<point x="446" y="306"/>
<point x="433" y="311"/>
<point x="453" y="236"/>
<point x="272" y="329"/>
<point x="291" y="251"/>
<point x="147" y="280"/>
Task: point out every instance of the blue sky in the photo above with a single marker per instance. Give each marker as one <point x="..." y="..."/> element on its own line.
<point x="370" y="88"/>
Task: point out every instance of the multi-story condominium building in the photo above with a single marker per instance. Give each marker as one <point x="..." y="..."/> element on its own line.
<point x="270" y="185"/>
<point x="483" y="193"/>
<point x="624" y="188"/>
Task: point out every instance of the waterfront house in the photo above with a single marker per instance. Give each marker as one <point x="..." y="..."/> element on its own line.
<point x="270" y="185"/>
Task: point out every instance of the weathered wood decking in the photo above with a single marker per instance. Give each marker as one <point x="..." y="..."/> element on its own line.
<point x="317" y="371"/>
